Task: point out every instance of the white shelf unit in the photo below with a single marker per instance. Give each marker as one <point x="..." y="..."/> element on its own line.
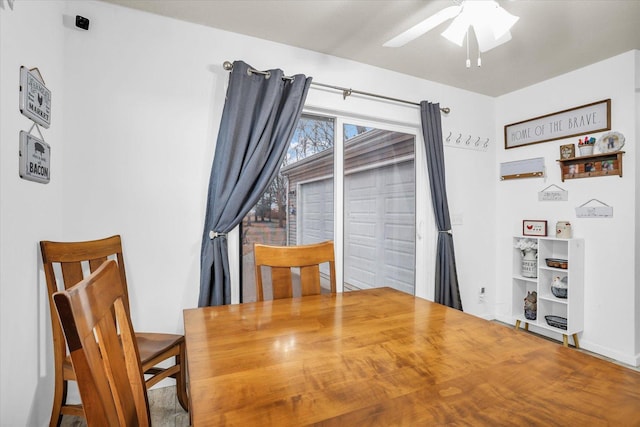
<point x="572" y="307"/>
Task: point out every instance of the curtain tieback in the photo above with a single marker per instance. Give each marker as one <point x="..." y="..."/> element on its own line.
<point x="445" y="231"/>
<point x="214" y="234"/>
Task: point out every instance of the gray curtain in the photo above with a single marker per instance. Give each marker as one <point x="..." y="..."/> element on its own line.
<point x="259" y="118"/>
<point x="447" y="291"/>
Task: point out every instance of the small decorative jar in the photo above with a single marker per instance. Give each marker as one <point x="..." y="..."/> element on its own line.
<point x="563" y="230"/>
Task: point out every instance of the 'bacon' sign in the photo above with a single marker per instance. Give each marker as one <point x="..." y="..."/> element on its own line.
<point x="35" y="158"/>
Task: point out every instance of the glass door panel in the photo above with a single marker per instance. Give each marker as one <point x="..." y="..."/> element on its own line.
<point x="297" y="208"/>
<point x="379" y="209"/>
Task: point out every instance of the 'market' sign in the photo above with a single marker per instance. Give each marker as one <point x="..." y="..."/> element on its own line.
<point x="35" y="98"/>
<point x="577" y="121"/>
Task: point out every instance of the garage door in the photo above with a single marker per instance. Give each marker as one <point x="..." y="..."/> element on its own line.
<point x="315" y="215"/>
<point x="379" y="228"/>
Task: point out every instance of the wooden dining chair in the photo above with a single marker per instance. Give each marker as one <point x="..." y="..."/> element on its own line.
<point x="72" y="260"/>
<point x="103" y="349"/>
<point x="282" y="259"/>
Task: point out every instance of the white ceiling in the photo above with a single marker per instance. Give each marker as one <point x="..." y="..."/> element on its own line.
<point x="552" y="37"/>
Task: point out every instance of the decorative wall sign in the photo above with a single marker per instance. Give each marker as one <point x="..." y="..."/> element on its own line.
<point x="534" y="227"/>
<point x="35" y="98"/>
<point x="567" y="151"/>
<point x="35" y="156"/>
<point x="559" y="195"/>
<point x="576" y="121"/>
<point x="604" y="211"/>
<point x="529" y="168"/>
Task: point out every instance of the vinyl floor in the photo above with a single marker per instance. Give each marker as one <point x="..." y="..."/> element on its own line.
<point x="163" y="405"/>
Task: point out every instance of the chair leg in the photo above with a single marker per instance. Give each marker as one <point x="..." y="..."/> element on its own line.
<point x="181" y="379"/>
<point x="59" y="398"/>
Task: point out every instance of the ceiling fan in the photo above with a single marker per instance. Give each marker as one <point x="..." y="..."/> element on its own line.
<point x="490" y="22"/>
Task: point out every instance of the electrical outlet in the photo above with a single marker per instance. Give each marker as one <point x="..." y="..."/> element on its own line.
<point x="482" y="294"/>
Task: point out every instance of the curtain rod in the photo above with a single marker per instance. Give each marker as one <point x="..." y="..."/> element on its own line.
<point x="345" y="91"/>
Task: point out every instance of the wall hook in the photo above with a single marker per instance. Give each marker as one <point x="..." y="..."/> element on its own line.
<point x="468" y="139"/>
<point x="458" y="140"/>
<point x="486" y="143"/>
<point x="477" y="141"/>
<point x="449" y="137"/>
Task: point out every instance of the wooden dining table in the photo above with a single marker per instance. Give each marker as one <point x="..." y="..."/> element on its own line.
<point x="381" y="357"/>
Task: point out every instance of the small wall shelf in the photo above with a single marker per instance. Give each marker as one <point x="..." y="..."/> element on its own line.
<point x="604" y="164"/>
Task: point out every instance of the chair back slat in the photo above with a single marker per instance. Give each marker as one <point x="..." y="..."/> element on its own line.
<point x="107" y="364"/>
<point x="281" y="259"/>
<point x="310" y="279"/>
<point x="96" y="262"/>
<point x="281" y="280"/>
<point x="71" y="274"/>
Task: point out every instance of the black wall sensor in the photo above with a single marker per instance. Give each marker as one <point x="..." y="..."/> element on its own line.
<point x="82" y="22"/>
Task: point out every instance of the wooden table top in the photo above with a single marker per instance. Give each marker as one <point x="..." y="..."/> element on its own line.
<point x="381" y="357"/>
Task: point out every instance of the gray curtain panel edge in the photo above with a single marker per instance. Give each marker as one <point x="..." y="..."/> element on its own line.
<point x="258" y="121"/>
<point x="447" y="291"/>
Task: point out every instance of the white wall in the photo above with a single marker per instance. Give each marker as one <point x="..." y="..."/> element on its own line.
<point x="29" y="212"/>
<point x="610" y="248"/>
<point x="472" y="193"/>
<point x="136" y="104"/>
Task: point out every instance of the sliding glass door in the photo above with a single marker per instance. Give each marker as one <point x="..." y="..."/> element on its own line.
<point x="354" y="182"/>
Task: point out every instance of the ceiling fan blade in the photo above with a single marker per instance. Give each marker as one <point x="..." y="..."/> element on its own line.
<point x="424" y="26"/>
<point x="457" y="31"/>
<point x="486" y="38"/>
<point x="502" y="22"/>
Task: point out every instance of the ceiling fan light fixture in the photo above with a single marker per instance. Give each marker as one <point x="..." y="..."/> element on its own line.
<point x="486" y="39"/>
<point x="490" y="22"/>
